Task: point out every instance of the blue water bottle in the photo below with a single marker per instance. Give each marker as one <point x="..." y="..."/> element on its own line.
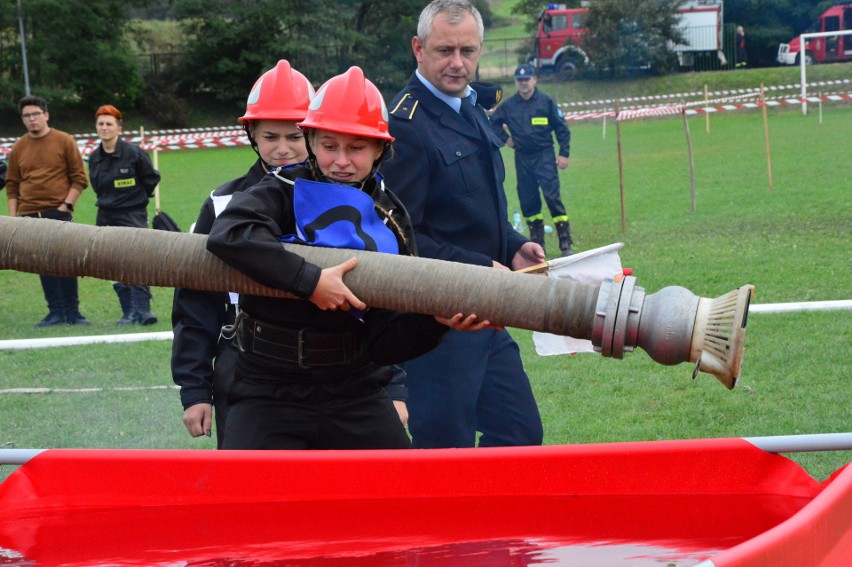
<point x="517" y="223"/>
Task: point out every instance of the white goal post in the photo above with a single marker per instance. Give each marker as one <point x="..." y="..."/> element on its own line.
<point x="803" y="61"/>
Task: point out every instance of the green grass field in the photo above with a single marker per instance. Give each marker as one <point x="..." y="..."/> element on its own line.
<point x="791" y="243"/>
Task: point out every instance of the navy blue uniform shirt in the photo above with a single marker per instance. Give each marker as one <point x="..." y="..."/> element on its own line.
<point x="532" y="123"/>
<point x="454" y="197"/>
<point x="124" y="179"/>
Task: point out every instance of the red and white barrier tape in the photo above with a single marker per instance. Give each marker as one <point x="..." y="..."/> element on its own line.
<point x="666" y="110"/>
<point x="182" y="133"/>
<point x="228" y="138"/>
<point x="714" y="94"/>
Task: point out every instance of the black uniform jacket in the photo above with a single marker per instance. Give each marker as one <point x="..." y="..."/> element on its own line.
<point x="246" y="236"/>
<point x="198" y="316"/>
<point x="124" y="179"/>
<point x="532" y="124"/>
<point x="450" y="180"/>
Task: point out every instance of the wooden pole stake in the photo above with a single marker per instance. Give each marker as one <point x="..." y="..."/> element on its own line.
<point x="157" y="188"/>
<point x="819" y="96"/>
<point x="620" y="169"/>
<point x="766" y="138"/>
<point x="691" y="160"/>
<point x="706" y="113"/>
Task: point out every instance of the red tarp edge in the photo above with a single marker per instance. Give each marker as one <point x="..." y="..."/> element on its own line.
<point x="45" y="505"/>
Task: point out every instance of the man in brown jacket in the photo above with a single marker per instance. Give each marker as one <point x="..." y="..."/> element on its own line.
<point x="44" y="179"/>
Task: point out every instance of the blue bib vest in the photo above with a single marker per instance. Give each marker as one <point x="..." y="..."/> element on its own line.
<point x="338" y="216"/>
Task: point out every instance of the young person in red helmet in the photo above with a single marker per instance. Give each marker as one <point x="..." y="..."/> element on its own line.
<point x="311" y="372"/>
<point x="202" y="360"/>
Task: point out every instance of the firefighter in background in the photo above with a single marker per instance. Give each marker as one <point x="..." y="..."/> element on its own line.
<point x="311" y="372"/>
<point x="202" y="360"/>
<point x="532" y="119"/>
<point x="123" y="178"/>
<point x="742" y="56"/>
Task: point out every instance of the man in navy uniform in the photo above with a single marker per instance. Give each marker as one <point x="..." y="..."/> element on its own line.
<point x="532" y="118"/>
<point x="449" y="174"/>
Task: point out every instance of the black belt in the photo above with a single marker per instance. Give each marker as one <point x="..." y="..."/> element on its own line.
<point x="306" y="348"/>
<point x="48" y="214"/>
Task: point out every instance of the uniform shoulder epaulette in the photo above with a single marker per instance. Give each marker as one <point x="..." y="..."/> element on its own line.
<point x="405" y="108"/>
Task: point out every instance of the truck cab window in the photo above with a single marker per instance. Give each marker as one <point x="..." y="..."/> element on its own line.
<point x="558" y="22"/>
<point x="832" y="23"/>
<point x="832" y="43"/>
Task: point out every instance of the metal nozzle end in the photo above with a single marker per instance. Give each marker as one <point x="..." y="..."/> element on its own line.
<point x="718" y="339"/>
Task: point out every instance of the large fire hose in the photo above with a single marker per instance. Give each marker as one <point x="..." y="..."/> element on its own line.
<point x="672" y="325"/>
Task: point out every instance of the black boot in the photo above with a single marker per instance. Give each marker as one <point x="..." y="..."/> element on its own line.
<point x="142" y="304"/>
<point x="563" y="230"/>
<point x="537" y="231"/>
<point x="123" y="291"/>
<point x="72" y="302"/>
<point x="55" y="302"/>
<point x="52" y="319"/>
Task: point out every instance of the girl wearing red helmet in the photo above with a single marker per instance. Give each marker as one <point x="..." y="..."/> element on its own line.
<point x="276" y="103"/>
<point x="202" y="360"/>
<point x="311" y="372"/>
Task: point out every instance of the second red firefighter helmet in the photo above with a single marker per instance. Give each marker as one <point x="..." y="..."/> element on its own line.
<point x="349" y="104"/>
<point x="282" y="93"/>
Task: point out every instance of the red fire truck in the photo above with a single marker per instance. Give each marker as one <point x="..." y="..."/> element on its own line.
<point x="823" y="49"/>
<point x="559" y="41"/>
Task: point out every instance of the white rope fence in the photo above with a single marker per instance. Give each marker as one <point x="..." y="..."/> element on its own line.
<point x="699" y="102"/>
<point x="626" y="101"/>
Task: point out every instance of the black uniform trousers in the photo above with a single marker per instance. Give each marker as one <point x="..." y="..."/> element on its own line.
<point x="137" y="218"/>
<point x="309" y="412"/>
<point x="134" y="218"/>
<point x="534" y="171"/>
<point x="223" y="379"/>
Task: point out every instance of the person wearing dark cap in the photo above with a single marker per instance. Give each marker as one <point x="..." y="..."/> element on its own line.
<point x="532" y="118"/>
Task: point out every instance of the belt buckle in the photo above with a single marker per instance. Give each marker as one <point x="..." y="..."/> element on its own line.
<point x="300" y="350"/>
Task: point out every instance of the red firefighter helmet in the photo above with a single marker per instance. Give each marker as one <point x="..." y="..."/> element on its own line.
<point x="281" y="93"/>
<point x="349" y="104"/>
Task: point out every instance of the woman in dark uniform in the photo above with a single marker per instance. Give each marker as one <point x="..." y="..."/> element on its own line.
<point x="124" y="179"/>
<point x="311" y="372"/>
<point x="202" y="359"/>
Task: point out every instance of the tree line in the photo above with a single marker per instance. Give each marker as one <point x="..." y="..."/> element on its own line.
<point x="83" y="53"/>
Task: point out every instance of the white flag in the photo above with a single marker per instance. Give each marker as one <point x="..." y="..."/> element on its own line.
<point x="589" y="266"/>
